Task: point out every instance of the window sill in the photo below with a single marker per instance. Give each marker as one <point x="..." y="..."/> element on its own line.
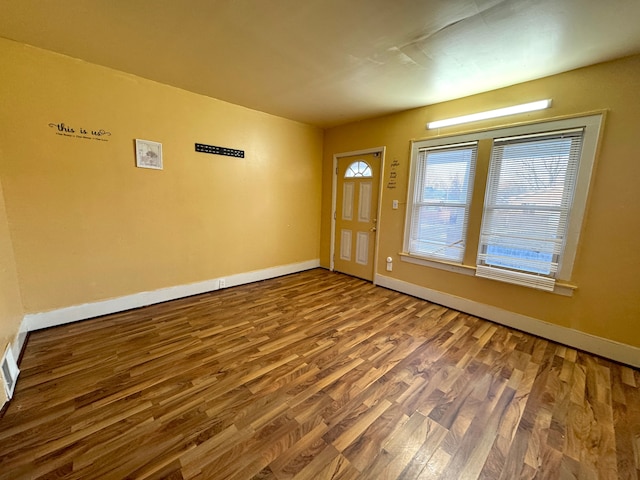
<point x="561" y="288"/>
<point x="439" y="264"/>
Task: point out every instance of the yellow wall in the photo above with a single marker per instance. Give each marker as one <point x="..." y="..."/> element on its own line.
<point x="607" y="301"/>
<point x="88" y="225"/>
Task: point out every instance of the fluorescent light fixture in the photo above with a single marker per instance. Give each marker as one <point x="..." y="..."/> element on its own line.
<point x="500" y="112"/>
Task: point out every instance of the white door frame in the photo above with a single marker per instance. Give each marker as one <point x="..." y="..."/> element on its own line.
<point x="334" y="196"/>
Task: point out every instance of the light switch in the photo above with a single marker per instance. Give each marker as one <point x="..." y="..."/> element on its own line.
<point x="394" y="204"/>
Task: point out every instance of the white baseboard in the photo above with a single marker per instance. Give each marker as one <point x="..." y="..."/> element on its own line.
<point x="619" y="352"/>
<point x="37" y="321"/>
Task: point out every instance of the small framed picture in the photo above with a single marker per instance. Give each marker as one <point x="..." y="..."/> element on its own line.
<point x="148" y="154"/>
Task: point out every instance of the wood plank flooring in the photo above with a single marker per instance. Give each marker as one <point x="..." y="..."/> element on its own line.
<point x="317" y="376"/>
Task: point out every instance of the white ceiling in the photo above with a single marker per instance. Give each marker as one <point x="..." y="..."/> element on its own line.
<point x="328" y="62"/>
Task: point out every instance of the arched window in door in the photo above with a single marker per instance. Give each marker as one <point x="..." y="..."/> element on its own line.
<point x="358" y="169"/>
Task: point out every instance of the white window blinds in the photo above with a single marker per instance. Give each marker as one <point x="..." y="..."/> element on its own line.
<point x="443" y="182"/>
<point x="532" y="179"/>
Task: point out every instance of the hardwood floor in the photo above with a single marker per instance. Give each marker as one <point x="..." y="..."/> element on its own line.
<point x="315" y="375"/>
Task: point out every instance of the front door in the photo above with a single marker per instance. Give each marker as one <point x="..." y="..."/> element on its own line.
<point x="356" y="214"/>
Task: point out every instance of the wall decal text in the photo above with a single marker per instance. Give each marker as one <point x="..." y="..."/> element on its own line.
<point x="68" y="131"/>
<point x="393" y="174"/>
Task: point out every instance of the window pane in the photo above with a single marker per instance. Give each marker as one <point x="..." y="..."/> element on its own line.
<point x="441" y="202"/>
<point x="358" y="169"/>
<point x="529" y="194"/>
<point x="524" y="225"/>
<point x="447" y="176"/>
<point x="439" y="232"/>
<point x="534" y="173"/>
<point x="525" y="259"/>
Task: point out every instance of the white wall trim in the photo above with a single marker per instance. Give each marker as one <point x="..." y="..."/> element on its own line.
<point x="619" y="352"/>
<point x="61" y="316"/>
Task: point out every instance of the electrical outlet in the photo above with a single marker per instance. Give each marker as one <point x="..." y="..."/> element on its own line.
<point x="222" y="283"/>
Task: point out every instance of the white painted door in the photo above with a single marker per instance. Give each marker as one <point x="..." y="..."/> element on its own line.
<point x="356" y="214"/>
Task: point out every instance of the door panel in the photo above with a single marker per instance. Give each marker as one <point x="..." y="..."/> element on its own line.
<point x="357" y="207"/>
<point x="345" y="245"/>
<point x="364" y="202"/>
<point x="362" y="248"/>
<point x="347" y="201"/>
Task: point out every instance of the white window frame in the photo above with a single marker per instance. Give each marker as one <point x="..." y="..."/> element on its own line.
<point x="443" y="144"/>
<point x="592" y="125"/>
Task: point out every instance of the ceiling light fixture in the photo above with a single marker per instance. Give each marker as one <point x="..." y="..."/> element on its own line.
<point x="500" y="112"/>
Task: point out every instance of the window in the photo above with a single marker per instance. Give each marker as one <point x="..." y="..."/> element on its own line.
<point x="527" y="205"/>
<point x="538" y="178"/>
<point x="439" y="207"/>
<point x="358" y="169"/>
